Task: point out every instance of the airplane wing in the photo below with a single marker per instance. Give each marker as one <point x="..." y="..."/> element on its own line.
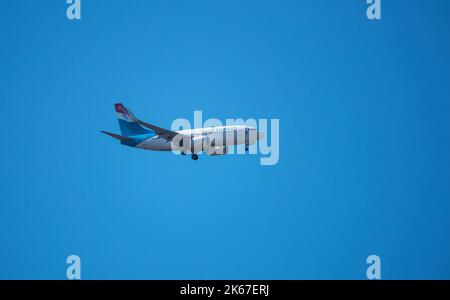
<point x="167" y="134"/>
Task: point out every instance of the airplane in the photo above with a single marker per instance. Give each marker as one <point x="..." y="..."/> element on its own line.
<point x="210" y="140"/>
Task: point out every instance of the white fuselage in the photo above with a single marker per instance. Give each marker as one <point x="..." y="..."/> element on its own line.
<point x="222" y="136"/>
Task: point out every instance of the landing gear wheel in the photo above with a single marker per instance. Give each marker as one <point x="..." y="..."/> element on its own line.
<point x="194" y="156"/>
<point x="246" y="148"/>
<point x="182" y="153"/>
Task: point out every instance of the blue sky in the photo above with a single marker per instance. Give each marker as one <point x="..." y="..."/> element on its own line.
<point x="364" y="141"/>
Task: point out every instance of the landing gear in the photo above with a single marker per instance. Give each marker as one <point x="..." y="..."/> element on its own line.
<point x="246" y="147"/>
<point x="194" y="156"/>
<point x="182" y="153"/>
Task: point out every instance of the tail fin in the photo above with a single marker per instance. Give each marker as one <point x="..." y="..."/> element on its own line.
<point x="127" y="122"/>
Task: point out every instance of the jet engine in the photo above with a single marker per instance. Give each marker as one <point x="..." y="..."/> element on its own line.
<point x="217" y="151"/>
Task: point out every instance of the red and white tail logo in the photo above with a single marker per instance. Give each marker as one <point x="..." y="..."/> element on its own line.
<point x="123" y="113"/>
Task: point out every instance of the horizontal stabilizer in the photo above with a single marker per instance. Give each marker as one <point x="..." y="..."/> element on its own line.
<point x="117" y="136"/>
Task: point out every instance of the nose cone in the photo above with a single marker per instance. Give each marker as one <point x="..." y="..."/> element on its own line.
<point x="261" y="135"/>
